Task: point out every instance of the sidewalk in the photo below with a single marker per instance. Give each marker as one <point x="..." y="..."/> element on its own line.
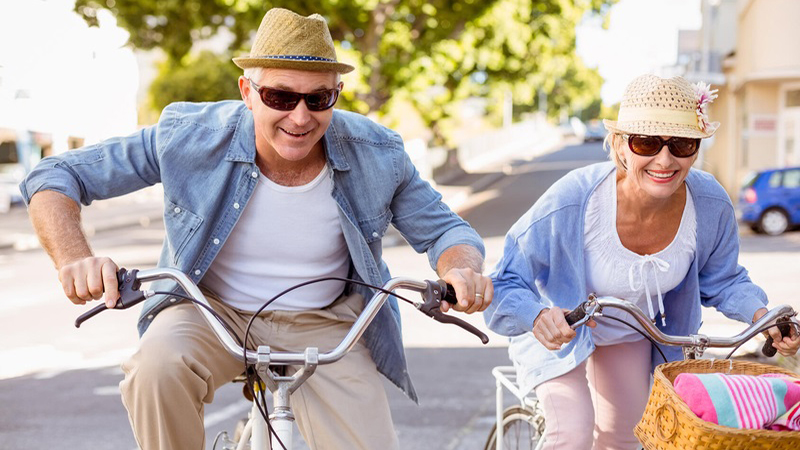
<point x="143" y="207"/>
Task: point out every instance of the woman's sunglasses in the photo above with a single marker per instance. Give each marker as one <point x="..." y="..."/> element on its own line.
<point x="680" y="147"/>
<point x="288" y="100"/>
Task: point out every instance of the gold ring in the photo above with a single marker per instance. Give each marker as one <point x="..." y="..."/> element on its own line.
<point x="479" y="295"/>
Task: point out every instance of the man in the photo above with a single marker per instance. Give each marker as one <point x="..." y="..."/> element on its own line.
<point x="260" y="195"/>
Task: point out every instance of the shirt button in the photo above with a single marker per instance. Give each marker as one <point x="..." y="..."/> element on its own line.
<point x="254" y="174"/>
<point x="173" y="300"/>
<point x="374" y="234"/>
<point x="197" y="272"/>
<point x="177" y="210"/>
<point x="150" y="317"/>
<point x="235" y="206"/>
<point x="216" y="241"/>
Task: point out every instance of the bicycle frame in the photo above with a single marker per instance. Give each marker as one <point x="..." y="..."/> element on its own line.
<point x="693" y="346"/>
<point x="505" y="377"/>
<point x="281" y="387"/>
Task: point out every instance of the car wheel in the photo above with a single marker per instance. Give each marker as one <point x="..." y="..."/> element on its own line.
<point x="773" y="222"/>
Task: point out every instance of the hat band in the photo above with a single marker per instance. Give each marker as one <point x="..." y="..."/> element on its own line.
<point x="658" y="115"/>
<point x="294" y="58"/>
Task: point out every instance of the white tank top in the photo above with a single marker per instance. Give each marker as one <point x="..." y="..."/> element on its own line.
<point x="285" y="236"/>
<point x="613" y="270"/>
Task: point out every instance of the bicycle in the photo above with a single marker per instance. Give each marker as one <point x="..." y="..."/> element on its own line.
<point x="263" y="431"/>
<point x="522" y="426"/>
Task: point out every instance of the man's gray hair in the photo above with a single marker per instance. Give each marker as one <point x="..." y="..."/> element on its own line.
<point x="255" y="74"/>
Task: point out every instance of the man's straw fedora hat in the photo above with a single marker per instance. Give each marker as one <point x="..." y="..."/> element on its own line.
<point x="655" y="106"/>
<point x="286" y="40"/>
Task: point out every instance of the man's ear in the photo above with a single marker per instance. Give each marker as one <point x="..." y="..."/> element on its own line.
<point x="244" y="89"/>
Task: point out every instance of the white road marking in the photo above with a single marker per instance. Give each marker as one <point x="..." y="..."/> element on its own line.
<point x="226" y="413"/>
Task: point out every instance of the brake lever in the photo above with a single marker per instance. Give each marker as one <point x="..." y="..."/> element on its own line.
<point x="434" y="293"/>
<point x="583" y="312"/>
<point x="785" y="325"/>
<point x="129" y="295"/>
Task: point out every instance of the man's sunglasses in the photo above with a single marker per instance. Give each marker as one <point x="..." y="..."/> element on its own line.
<point x="288" y="100"/>
<point x="680" y="147"/>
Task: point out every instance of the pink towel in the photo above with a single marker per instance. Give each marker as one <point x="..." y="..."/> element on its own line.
<point x="770" y="401"/>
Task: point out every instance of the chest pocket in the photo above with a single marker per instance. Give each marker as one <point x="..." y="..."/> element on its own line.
<point x="181" y="224"/>
<point x="375" y="228"/>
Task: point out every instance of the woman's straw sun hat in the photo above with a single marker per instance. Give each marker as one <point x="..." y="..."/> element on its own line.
<point x="656" y="106"/>
<point x="286" y="40"/>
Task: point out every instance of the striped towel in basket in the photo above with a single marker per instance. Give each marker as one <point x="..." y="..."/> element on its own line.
<point x="770" y="401"/>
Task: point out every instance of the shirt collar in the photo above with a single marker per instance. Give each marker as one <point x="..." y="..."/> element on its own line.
<point x="243" y="143"/>
<point x="333" y="146"/>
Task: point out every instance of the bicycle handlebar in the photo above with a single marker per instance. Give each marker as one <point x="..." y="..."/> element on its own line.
<point x="433" y="292"/>
<point x="594" y="307"/>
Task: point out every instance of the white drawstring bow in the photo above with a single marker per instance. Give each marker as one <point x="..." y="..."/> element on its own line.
<point x="657" y="265"/>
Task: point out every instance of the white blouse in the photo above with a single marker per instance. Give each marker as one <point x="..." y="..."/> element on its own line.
<point x="613" y="270"/>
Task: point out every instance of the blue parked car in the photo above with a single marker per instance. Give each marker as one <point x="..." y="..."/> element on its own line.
<point x="769" y="201"/>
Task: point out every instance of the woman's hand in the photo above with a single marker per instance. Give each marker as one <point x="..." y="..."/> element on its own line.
<point x="786" y="346"/>
<point x="552" y="330"/>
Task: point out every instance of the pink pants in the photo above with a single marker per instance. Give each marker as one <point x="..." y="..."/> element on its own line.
<point x="597" y="404"/>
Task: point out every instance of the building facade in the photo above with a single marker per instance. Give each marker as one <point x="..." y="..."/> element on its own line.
<point x="750" y="52"/>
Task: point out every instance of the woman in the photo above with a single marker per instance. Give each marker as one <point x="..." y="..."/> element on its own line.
<point x="646" y="228"/>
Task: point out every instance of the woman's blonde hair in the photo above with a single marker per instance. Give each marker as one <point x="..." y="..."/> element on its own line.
<point x="611" y="143"/>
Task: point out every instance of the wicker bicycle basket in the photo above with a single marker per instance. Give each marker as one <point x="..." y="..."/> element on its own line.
<point x="668" y="424"/>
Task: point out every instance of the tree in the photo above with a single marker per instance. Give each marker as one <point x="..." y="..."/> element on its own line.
<point x="201" y="78"/>
<point x="429" y="52"/>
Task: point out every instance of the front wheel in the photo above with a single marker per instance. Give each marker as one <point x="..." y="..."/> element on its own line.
<point x="522" y="429"/>
<point x="773" y="222"/>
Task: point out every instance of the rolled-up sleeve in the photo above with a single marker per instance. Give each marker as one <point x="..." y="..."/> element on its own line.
<point x="108" y="169"/>
<point x="516" y="300"/>
<point x="724" y="284"/>
<point x="424" y="220"/>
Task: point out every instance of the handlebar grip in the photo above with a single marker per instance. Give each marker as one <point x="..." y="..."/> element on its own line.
<point x="89" y="314"/>
<point x="448" y="293"/>
<point x="575" y="315"/>
<point x="785" y="328"/>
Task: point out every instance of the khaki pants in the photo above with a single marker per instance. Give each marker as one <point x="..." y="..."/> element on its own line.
<point x="180" y="364"/>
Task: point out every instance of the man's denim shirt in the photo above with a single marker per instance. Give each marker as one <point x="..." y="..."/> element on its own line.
<point x="204" y="155"/>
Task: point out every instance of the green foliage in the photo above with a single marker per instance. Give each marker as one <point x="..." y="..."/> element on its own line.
<point x="610" y="112"/>
<point x="429" y="53"/>
<point x="201" y="78"/>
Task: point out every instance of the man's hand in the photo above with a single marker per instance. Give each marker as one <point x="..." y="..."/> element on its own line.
<point x="473" y="290"/>
<point x="786" y="346"/>
<point x="88" y="278"/>
<point x="57" y="221"/>
<point x="551" y="328"/>
<point x="460" y="265"/>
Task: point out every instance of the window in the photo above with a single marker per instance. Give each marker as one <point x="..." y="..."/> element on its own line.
<point x="775" y="179"/>
<point x="791" y="178"/>
<point x="750" y="179"/>
<point x="793" y="98"/>
<point x="8" y="152"/>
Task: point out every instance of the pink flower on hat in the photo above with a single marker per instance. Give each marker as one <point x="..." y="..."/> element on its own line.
<point x="704" y="96"/>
